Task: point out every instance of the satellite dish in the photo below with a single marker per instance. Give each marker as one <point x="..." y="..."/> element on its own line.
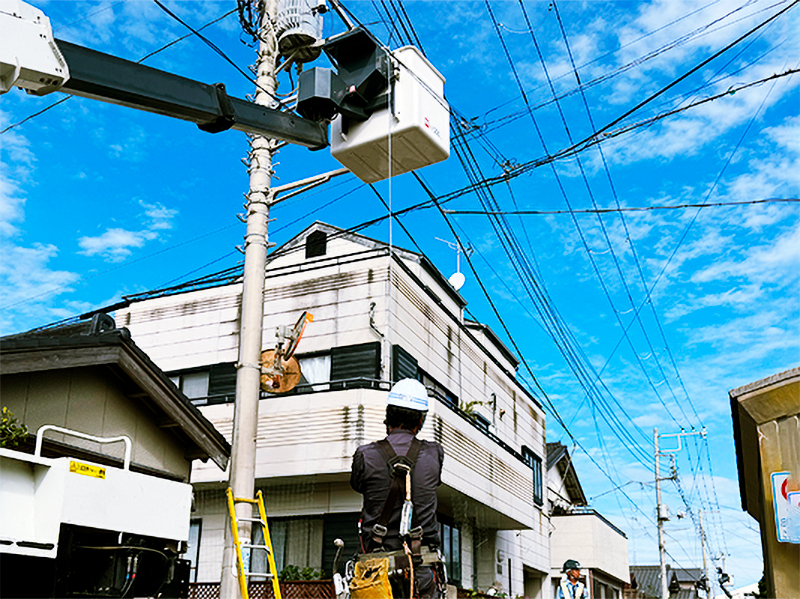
<point x="457" y="280"/>
<point x="280" y="383"/>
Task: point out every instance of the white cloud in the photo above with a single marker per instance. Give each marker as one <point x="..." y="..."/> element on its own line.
<point x="11" y="204"/>
<point x="114" y="245"/>
<point x="117" y="244"/>
<point x="29" y="285"/>
<point x="159" y="215"/>
<point x="777" y="260"/>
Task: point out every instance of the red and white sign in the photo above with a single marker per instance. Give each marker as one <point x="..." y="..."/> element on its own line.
<point x="787" y="507"/>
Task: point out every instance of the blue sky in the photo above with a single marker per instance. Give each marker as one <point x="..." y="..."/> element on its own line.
<point x="98" y="201"/>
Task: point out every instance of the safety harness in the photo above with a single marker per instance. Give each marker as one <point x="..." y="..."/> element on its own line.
<point x="400" y="468"/>
<point x="373" y="569"/>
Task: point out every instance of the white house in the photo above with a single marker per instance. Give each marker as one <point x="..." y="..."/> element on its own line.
<point x="581" y="533"/>
<point x="380" y="314"/>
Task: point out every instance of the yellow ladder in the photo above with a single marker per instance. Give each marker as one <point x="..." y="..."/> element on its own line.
<point x="267" y="546"/>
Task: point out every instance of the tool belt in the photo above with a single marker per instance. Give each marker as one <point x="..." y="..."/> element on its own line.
<point x="399" y="560"/>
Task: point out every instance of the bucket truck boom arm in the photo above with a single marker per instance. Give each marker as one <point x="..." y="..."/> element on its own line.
<point x="32" y="59"/>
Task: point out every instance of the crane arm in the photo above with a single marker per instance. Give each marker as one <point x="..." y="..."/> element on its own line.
<point x="110" y="79"/>
<point x="32" y="59"/>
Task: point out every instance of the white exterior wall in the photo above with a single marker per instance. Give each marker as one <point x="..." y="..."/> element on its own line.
<point x="305" y="442"/>
<point x="590" y="540"/>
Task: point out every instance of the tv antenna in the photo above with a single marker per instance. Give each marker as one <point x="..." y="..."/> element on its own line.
<point x="457" y="279"/>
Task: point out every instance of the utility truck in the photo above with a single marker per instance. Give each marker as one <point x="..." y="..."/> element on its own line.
<point x="73" y="528"/>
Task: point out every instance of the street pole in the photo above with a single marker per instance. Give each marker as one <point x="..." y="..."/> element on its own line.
<point x="248" y="374"/>
<point x="661" y="546"/>
<point x="705" y="561"/>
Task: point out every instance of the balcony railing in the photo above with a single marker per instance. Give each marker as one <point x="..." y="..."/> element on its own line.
<point x="378" y="385"/>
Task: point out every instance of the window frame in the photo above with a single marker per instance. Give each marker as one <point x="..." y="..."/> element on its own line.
<point x="453" y="563"/>
<point x="534" y="462"/>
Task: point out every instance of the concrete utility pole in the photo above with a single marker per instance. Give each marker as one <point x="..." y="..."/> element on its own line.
<point x="659" y="512"/>
<point x="248" y="374"/>
<point x="705" y="561"/>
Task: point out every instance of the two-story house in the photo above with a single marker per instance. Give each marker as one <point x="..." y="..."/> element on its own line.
<point x="581" y="533"/>
<point x="380" y="314"/>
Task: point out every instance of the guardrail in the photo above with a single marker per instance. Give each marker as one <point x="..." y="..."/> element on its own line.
<point x="126" y="464"/>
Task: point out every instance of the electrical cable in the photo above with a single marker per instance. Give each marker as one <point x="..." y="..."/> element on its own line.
<point x="216" y="49"/>
<point x="566" y="197"/>
<point x="500" y="121"/>
<point x="624" y="209"/>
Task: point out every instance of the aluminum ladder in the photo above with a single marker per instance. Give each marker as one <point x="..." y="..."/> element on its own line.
<point x="267" y="546"/>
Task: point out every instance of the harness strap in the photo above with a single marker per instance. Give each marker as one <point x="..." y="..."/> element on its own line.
<point x="380" y="528"/>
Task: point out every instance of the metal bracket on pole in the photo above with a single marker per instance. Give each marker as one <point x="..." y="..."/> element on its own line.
<point x="680" y="435"/>
<point x="304" y="185"/>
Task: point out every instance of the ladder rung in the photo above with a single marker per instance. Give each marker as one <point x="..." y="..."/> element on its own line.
<point x="245" y="500"/>
<point x="264" y="547"/>
<point x="259" y="520"/>
<point x="258" y="574"/>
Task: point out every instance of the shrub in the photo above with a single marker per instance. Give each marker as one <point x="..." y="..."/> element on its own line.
<point x="292" y="572"/>
<point x="12" y="433"/>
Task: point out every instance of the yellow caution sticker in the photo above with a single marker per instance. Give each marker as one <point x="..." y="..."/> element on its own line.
<point x="87" y="469"/>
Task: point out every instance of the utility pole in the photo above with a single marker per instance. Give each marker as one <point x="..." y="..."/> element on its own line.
<point x="705" y="561"/>
<point x="661" y="510"/>
<point x="248" y="373"/>
<point x="660" y="517"/>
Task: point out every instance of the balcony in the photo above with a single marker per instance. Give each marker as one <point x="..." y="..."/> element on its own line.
<point x="313" y="433"/>
<point x="586" y="536"/>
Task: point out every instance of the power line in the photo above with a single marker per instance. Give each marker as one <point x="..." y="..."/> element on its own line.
<point x="565" y="195"/>
<point x="623" y="209"/>
<point x="216" y="49"/>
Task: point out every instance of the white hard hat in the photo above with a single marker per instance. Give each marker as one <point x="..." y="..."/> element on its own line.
<point x="410" y="394"/>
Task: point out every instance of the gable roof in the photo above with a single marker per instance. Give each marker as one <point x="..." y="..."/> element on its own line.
<point x="100" y="343"/>
<point x="647" y="579"/>
<point x="298" y="241"/>
<point x="558" y="457"/>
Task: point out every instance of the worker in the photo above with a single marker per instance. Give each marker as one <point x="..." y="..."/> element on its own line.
<point x="571" y="586"/>
<point x="380" y="471"/>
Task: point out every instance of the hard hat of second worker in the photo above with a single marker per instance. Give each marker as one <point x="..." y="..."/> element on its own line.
<point x="410" y="394"/>
<point x="571" y="564"/>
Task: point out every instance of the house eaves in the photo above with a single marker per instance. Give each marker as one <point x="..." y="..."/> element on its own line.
<point x="49" y="350"/>
<point x="752" y="405"/>
<point x="558" y="456"/>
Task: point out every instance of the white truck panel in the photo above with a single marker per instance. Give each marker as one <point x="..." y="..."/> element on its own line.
<point x="37" y="495"/>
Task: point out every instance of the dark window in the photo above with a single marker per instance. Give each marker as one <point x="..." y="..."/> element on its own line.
<point x="451" y="550"/>
<point x="339" y="526"/>
<point x="222" y="383"/>
<point x="355" y="362"/>
<point x="437" y="390"/>
<point x="404" y="365"/>
<point x="481" y="420"/>
<point x="535" y="462"/>
<point x="193" y="384"/>
<point x="316" y="244"/>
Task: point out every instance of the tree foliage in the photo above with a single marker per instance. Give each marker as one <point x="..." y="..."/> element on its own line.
<point x="12" y="432"/>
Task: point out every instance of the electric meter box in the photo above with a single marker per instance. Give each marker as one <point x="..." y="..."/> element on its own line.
<point x="414" y="128"/>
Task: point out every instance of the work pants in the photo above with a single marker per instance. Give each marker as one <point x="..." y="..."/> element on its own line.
<point x="426" y="584"/>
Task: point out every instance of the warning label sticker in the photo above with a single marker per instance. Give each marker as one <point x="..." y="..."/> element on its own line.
<point x="87" y="469"/>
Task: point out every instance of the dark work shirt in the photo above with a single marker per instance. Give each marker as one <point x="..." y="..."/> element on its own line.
<point x="371" y="476"/>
